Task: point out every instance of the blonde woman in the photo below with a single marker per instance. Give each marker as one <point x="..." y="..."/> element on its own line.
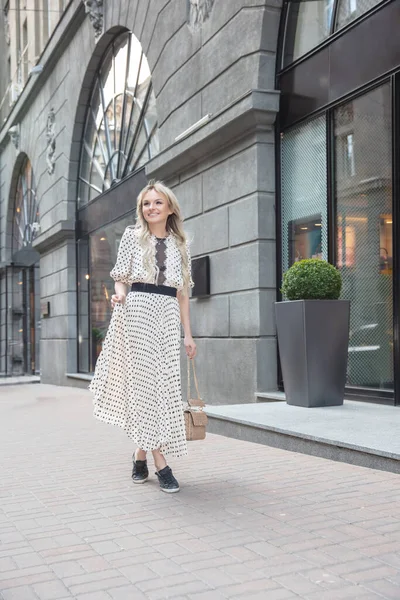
<point x="136" y="383"/>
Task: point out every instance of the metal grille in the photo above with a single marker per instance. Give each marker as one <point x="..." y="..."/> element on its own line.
<point x="304" y="193"/>
<point x="363" y="131"/>
<point x="349" y="10"/>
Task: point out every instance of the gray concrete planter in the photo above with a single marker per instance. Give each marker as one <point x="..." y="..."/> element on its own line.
<point x="313" y="338"/>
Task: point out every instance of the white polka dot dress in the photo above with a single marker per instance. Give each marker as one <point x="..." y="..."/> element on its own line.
<point x="137" y="384"/>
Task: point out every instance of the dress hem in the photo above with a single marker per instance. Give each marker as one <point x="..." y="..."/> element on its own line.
<point x="162" y="448"/>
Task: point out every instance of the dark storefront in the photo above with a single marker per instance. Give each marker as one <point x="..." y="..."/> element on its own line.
<point x="339" y="147"/>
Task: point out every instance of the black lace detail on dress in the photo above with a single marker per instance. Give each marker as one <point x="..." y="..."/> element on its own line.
<point x="161" y="255"/>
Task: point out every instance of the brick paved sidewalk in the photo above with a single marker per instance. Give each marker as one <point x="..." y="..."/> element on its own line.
<point x="250" y="521"/>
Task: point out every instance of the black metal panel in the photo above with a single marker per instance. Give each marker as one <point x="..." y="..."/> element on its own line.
<point x="305" y="89"/>
<point x="201" y="276"/>
<point x="360" y="55"/>
<point x="111" y="205"/>
<point x="368" y="51"/>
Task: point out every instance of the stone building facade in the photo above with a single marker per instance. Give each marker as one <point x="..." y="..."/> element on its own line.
<point x="212" y="67"/>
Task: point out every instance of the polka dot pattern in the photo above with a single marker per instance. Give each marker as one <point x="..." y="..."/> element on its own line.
<point x="137" y="384"/>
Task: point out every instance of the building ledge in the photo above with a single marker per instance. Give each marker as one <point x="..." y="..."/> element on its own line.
<point x="254" y="109"/>
<point x="17" y="380"/>
<point x="56" y="234"/>
<point x="273" y="396"/>
<point x="80" y="376"/>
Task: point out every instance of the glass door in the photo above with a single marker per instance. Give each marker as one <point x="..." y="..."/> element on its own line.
<point x="24" y="314"/>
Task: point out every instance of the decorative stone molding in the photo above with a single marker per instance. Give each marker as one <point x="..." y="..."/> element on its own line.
<point x="199" y="11"/>
<point x="14" y="133"/>
<point x="95" y="10"/>
<point x="51" y="141"/>
<point x="7" y="29"/>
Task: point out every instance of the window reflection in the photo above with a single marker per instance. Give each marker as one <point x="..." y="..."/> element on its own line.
<point x="103" y="253"/>
<point x="364" y="233"/>
<point x="303" y="192"/>
<point x="309" y="23"/>
<point x="348" y="10"/>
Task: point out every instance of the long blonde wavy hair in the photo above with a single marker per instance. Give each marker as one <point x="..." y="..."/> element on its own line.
<point x="174" y="227"/>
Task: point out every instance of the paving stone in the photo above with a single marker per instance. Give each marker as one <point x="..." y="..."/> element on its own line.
<point x="51" y="590"/>
<point x="94" y="596"/>
<point x="386" y="588"/>
<point x="94" y="586"/>
<point x="96" y="563"/>
<point x="7" y="564"/>
<point x="18" y="593"/>
<point x="209" y="595"/>
<point x="280" y="594"/>
<point x="242" y="589"/>
<point x="384" y="572"/>
<point x="297" y="584"/>
<point x="137" y="573"/>
<point x="124" y="592"/>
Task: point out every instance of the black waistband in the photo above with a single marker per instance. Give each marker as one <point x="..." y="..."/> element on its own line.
<point x="150" y="288"/>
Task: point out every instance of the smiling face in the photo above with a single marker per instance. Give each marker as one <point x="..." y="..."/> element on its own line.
<point x="155" y="208"/>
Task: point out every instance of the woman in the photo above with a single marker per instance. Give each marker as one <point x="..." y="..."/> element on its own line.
<point x="136" y="383"/>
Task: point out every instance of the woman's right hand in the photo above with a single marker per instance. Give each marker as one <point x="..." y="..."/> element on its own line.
<point x="117" y="299"/>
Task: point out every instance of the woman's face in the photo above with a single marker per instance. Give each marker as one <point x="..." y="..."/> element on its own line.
<point x="155" y="208"/>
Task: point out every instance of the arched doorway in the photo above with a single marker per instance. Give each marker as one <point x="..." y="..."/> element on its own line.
<point x="120" y="135"/>
<point x="23" y="292"/>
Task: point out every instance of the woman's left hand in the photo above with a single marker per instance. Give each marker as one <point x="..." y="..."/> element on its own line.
<point x="190" y="346"/>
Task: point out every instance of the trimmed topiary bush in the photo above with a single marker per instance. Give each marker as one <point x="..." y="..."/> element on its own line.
<point x="312" y="279"/>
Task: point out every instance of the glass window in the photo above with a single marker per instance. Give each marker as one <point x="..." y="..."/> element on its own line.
<point x="303" y="193"/>
<point x="308" y="24"/>
<point x="121" y="124"/>
<point x="363" y="133"/>
<point x="83" y="304"/>
<point x="96" y="287"/>
<point x="348" y="10"/>
<point x="26" y="212"/>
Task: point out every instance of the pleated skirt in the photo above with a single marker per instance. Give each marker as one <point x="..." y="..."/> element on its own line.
<point x="137" y="381"/>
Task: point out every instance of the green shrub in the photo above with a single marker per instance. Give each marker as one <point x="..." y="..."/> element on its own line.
<point x="312" y="279"/>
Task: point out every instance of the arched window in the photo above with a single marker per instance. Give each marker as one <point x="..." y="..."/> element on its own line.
<point x="23" y="291"/>
<point x="121" y="124"/>
<point x="308" y="24"/>
<point x="26" y="212"/>
<point x="348" y="10"/>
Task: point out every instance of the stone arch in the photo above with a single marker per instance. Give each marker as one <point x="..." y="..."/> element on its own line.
<point x="271" y="30"/>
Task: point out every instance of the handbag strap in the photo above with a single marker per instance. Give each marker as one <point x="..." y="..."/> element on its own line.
<point x="196" y="383"/>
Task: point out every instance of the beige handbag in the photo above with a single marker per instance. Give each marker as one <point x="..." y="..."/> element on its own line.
<point x="195" y="418"/>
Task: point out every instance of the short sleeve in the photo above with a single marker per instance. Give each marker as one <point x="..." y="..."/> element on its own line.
<point x="122" y="270"/>
<point x="191" y="282"/>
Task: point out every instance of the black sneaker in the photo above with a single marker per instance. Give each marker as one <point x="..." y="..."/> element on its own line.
<point x="140" y="472"/>
<point x="167" y="481"/>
